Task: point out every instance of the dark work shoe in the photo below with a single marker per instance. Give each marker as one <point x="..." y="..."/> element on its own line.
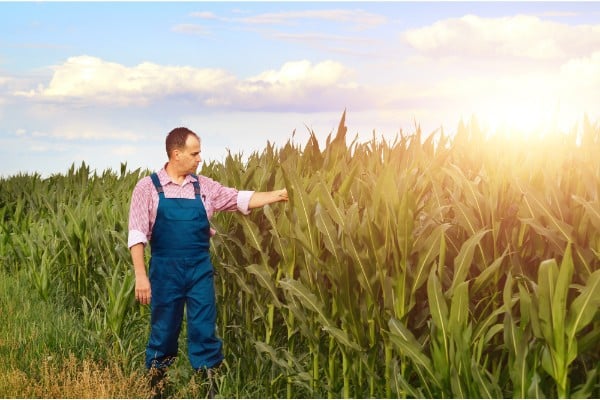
<point x="158" y="382"/>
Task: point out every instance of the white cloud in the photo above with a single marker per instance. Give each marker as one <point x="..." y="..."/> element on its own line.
<point x="558" y="14"/>
<point x="37" y="145"/>
<point x="302" y="84"/>
<point x="586" y="70"/>
<point x="79" y="131"/>
<point x="301" y="72"/>
<point x="94" y="134"/>
<point x="123" y="151"/>
<point x="319" y="37"/>
<point x="360" y="18"/>
<point x="95" y="80"/>
<point x="4" y="87"/>
<point x="520" y="36"/>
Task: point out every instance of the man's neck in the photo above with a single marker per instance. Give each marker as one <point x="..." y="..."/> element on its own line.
<point x="176" y="176"/>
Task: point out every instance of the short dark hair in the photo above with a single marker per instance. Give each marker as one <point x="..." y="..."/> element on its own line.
<point x="176" y="139"/>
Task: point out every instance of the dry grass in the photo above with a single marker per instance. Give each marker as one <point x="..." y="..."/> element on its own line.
<point x="73" y="379"/>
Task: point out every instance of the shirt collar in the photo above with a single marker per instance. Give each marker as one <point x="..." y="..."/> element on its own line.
<point x="165" y="179"/>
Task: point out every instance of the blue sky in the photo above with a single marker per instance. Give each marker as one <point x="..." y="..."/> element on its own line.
<point x="104" y="82"/>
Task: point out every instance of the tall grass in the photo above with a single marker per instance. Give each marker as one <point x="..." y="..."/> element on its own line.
<point x="46" y="353"/>
<point x="438" y="266"/>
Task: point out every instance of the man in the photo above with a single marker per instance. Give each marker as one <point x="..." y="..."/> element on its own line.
<point x="171" y="210"/>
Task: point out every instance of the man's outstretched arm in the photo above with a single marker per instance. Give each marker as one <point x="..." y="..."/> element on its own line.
<point x="260" y="199"/>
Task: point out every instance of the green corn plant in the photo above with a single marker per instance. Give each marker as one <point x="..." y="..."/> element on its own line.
<point x="410" y="268"/>
<point x="557" y="322"/>
<point x="455" y="367"/>
<point x="119" y="301"/>
<point x="518" y="341"/>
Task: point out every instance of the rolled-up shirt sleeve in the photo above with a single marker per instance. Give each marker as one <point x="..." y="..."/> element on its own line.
<point x="139" y="216"/>
<point x="136" y="237"/>
<point x="243" y="201"/>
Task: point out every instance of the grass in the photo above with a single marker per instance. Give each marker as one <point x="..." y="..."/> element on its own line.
<point x="72" y="378"/>
<point x="47" y="354"/>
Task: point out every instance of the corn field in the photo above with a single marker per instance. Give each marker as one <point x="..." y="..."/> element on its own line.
<point x="445" y="266"/>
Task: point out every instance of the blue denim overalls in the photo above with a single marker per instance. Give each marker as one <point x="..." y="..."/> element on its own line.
<point x="181" y="273"/>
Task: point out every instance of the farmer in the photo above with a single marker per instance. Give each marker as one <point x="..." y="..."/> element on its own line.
<point x="171" y="209"/>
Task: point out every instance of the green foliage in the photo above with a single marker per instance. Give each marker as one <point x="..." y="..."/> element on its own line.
<point x="68" y="233"/>
<point x="463" y="266"/>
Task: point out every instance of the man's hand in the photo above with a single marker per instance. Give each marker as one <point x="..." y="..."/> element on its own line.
<point x="143" y="292"/>
<point x="260" y="199"/>
<point x="282" y="194"/>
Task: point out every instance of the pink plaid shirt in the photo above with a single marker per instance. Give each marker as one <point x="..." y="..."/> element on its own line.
<point x="144" y="202"/>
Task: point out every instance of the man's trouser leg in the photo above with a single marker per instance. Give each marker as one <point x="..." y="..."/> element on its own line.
<point x="166" y="312"/>
<point x="204" y="347"/>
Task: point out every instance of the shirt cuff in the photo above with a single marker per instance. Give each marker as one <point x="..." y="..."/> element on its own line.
<point x="243" y="201"/>
<point x="136" y="237"/>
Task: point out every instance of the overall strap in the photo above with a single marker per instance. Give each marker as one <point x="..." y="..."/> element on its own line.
<point x="157" y="185"/>
<point x="196" y="186"/>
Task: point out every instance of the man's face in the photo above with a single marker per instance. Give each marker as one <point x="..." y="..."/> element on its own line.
<point x="189" y="157"/>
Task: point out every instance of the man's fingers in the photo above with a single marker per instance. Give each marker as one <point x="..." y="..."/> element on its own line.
<point x="143" y="297"/>
<point x="283" y="194"/>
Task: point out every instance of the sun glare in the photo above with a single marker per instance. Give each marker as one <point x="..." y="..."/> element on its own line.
<point x="522" y="117"/>
<point x="525" y="107"/>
